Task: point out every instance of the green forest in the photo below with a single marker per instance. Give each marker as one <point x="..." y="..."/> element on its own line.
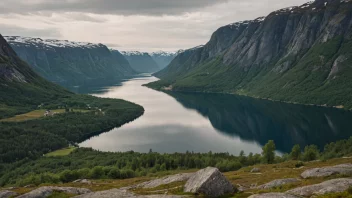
<point x="34" y="138"/>
<point x="86" y="163"/>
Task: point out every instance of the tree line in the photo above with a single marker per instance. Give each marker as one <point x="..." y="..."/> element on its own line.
<point x="86" y="163"/>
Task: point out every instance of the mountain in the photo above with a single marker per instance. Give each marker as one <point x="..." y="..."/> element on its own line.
<point x="163" y="59"/>
<point x="71" y="63"/>
<point x="75" y="117"/>
<point x="141" y="62"/>
<point x="298" y="54"/>
<point x="20" y="87"/>
<point x="122" y="61"/>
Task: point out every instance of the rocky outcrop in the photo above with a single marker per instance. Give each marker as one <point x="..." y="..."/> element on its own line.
<point x="8" y="64"/>
<point x="277" y="183"/>
<point x="7" y="194"/>
<point x="344" y="169"/>
<point x="331" y="186"/>
<point x="255" y="170"/>
<point x="274" y="195"/>
<point x="107" y="194"/>
<point x="210" y="182"/>
<point x="165" y="180"/>
<point x="122" y="194"/>
<point x="71" y="63"/>
<point x="83" y="181"/>
<point x="46" y="191"/>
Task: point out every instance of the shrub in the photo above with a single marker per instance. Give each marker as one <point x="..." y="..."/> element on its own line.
<point x="114" y="173"/>
<point x="296" y="152"/>
<point x="68" y="176"/>
<point x="97" y="172"/>
<point x="269" y="152"/>
<point x="310" y="153"/>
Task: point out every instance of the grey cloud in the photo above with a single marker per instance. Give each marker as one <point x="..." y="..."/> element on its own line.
<point x="12" y="30"/>
<point x="84" y="17"/>
<point x="144" y="33"/>
<point x="123" y="7"/>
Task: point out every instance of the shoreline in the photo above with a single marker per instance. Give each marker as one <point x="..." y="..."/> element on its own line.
<point x="170" y="88"/>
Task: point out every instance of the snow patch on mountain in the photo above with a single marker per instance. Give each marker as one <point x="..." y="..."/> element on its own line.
<point x="38" y="42"/>
<point x="138" y="53"/>
<point x="162" y="53"/>
<point x="191" y="49"/>
<point x="247" y="22"/>
<point x="133" y="53"/>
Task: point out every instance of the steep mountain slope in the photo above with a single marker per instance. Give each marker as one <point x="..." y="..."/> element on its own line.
<point x="20" y="87"/>
<point x="141" y="62"/>
<point x="122" y="62"/>
<point x="299" y="54"/>
<point x="162" y="58"/>
<point x="70" y="63"/>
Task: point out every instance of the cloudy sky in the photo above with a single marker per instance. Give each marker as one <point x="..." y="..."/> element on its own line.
<point x="145" y="25"/>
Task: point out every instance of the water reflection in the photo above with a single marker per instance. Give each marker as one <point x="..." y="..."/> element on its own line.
<point x="179" y="122"/>
<point x="165" y="127"/>
<point x="260" y="120"/>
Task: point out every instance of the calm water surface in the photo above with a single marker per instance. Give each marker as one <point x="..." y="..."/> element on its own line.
<point x="180" y="122"/>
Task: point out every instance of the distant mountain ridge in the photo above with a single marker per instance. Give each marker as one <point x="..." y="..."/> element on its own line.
<point x="299" y="54"/>
<point x="145" y="62"/>
<point x="71" y="63"/>
<point x="162" y="58"/>
<point x="141" y="62"/>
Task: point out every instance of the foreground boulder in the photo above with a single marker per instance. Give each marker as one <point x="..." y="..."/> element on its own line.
<point x="255" y="170"/>
<point x="344" y="169"/>
<point x="210" y="182"/>
<point x="7" y="194"/>
<point x="277" y="183"/>
<point x="122" y="194"/>
<point x="331" y="186"/>
<point x="82" y="181"/>
<point x="165" y="180"/>
<point x="46" y="191"/>
<point x="274" y="195"/>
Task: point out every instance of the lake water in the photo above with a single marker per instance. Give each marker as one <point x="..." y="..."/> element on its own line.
<point x="180" y="122"/>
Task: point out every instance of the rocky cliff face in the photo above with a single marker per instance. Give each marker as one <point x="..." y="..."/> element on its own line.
<point x="123" y="62"/>
<point x="163" y="59"/>
<point x="9" y="70"/>
<point x="20" y="85"/>
<point x="70" y="63"/>
<point x="141" y="62"/>
<point x="299" y="54"/>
